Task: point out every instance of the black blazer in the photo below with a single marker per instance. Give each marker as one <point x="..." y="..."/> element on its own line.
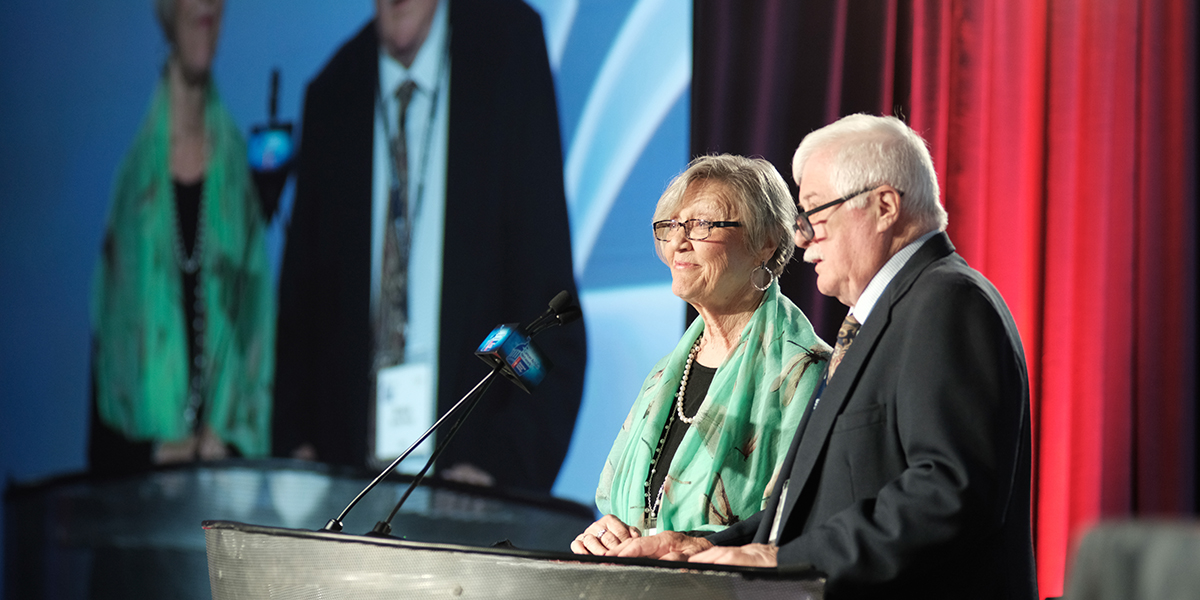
<point x="911" y="476"/>
<point x="507" y="251"/>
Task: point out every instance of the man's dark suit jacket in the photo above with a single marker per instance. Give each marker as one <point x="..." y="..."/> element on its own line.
<point x="911" y="476"/>
<point x="506" y="252"/>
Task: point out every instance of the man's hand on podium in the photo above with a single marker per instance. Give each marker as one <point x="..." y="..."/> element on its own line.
<point x="750" y="555"/>
<point x="668" y="545"/>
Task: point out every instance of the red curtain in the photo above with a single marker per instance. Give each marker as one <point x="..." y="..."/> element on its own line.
<point x="1064" y="136"/>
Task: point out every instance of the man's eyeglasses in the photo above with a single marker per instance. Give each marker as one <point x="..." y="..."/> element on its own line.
<point x="693" y="229"/>
<point x="804" y="226"/>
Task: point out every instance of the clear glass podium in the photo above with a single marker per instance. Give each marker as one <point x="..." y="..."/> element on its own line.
<point x="140" y="536"/>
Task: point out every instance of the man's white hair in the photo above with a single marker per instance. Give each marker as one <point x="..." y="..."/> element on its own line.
<point x="866" y="150"/>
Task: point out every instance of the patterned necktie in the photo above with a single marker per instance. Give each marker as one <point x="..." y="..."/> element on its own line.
<point x="845" y="337"/>
<point x="393" y="293"/>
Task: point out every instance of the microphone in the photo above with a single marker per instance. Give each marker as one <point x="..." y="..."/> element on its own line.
<point x="271" y="151"/>
<point x="566" y="316"/>
<point x="511" y="351"/>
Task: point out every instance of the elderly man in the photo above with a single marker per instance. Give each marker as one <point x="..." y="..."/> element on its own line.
<point x="910" y="475"/>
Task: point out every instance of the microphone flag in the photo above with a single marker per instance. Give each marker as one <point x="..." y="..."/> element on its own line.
<point x="521" y="360"/>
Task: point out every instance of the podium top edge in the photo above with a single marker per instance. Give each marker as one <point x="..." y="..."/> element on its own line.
<point x="799" y="572"/>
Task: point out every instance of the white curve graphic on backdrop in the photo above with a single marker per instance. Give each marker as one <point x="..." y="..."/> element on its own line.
<point x="558" y="16"/>
<point x="645" y="72"/>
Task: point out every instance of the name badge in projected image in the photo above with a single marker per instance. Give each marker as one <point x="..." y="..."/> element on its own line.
<point x="404" y="409"/>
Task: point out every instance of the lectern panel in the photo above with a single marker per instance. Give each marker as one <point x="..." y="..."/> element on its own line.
<point x="251" y="563"/>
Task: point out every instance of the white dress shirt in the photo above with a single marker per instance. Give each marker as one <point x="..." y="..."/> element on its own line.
<point x="426" y="132"/>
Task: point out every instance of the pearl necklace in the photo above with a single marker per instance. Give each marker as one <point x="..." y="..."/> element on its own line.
<point x="687" y="369"/>
<point x="190" y="265"/>
<point x="652" y="508"/>
<point x="197" y="381"/>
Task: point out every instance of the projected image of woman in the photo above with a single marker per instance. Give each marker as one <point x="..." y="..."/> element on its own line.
<point x="182" y="301"/>
<point x="710" y="427"/>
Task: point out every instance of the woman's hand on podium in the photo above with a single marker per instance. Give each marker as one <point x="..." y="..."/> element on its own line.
<point x="603" y="536"/>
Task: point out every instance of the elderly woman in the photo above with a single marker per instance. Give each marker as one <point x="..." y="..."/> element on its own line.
<point x="182" y="300"/>
<point x="707" y="433"/>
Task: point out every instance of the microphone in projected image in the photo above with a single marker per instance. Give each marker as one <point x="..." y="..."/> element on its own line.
<point x="510" y="350"/>
<point x="271" y="150"/>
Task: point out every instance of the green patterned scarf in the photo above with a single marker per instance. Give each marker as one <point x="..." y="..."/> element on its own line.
<point x="729" y="456"/>
<point x="140" y="353"/>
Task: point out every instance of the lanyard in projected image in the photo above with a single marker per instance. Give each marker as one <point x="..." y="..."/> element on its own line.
<point x="426" y="142"/>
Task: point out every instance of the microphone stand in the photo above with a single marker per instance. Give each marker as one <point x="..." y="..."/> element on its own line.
<point x="557" y="315"/>
<point x="384" y="528"/>
<point x="476" y="392"/>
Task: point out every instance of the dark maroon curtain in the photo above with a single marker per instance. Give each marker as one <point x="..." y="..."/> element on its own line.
<point x="767" y="73"/>
<point x="1064" y="138"/>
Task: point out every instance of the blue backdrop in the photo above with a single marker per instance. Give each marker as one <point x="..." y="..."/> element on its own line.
<point x="76" y="79"/>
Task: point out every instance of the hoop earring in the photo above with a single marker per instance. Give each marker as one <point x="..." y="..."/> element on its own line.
<point x="761" y="277"/>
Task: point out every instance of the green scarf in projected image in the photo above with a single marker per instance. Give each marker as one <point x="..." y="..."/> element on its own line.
<point x="140" y="356"/>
